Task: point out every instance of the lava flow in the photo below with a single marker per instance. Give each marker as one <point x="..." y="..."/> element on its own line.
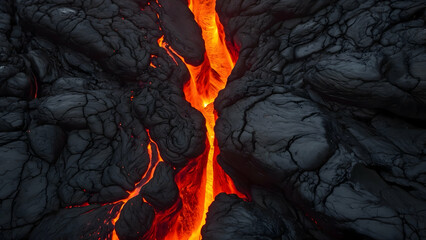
<point x="203" y="178"/>
<point x="149" y="174"/>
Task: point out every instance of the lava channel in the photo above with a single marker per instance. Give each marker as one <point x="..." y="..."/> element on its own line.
<point x="149" y="174"/>
<point x="203" y="178"/>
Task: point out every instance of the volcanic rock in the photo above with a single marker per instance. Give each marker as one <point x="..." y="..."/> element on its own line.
<point x="75" y="223"/>
<point x="135" y="219"/>
<point x="74" y="123"/>
<point x="325" y="107"/>
<point x="161" y="191"/>
<point x="47" y="141"/>
<point x="229" y="217"/>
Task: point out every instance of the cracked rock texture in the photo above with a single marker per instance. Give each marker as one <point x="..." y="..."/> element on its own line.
<point x="82" y="83"/>
<point x="321" y="124"/>
<point x="324" y="116"/>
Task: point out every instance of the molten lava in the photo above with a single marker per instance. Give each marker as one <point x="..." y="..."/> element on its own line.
<point x="210" y="77"/>
<point x="149" y="174"/>
<point x="203" y="178"/>
<point x="201" y="91"/>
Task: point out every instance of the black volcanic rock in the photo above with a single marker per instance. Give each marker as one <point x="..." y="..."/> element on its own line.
<point x="81" y="84"/>
<point x="91" y="222"/>
<point x="325" y="107"/>
<point x="181" y="31"/>
<point x="161" y="191"/>
<point x="229" y="217"/>
<point x="135" y="219"/>
<point x="47" y="141"/>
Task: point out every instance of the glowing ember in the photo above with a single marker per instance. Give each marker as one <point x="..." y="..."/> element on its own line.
<point x="164" y="45"/>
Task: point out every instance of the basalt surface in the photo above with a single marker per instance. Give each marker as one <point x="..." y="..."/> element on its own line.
<point x="321" y="123"/>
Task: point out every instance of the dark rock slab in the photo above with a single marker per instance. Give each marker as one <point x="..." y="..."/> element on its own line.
<point x="231" y="218"/>
<point x="345" y="149"/>
<point x="47" y="141"/>
<point x="161" y="191"/>
<point x="91" y="222"/>
<point x="181" y="31"/>
<point x="135" y="219"/>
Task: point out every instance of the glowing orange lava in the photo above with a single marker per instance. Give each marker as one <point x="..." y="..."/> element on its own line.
<point x="201" y="91"/>
<point x="203" y="178"/>
<point x="149" y="174"/>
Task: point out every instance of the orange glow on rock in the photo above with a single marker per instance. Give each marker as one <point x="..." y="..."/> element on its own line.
<point x="203" y="178"/>
<point x="149" y="174"/>
<point x="164" y="45"/>
<point x="211" y="76"/>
